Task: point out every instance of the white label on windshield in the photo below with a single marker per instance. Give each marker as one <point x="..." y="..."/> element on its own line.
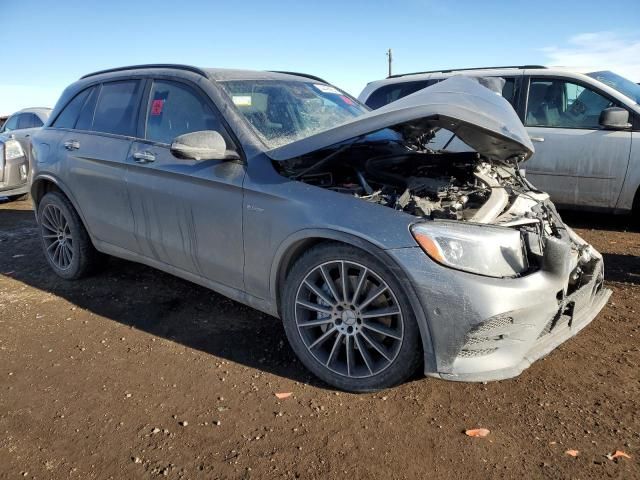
<point x="242" y="100"/>
<point x="327" y="89"/>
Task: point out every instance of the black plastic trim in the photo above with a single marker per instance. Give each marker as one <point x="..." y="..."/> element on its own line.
<point x="188" y="68"/>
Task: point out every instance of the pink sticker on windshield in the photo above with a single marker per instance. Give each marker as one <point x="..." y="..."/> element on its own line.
<point x="156" y="107"/>
<point x="346" y="100"/>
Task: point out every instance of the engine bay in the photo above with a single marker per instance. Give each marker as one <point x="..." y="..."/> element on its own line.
<point x="448" y="185"/>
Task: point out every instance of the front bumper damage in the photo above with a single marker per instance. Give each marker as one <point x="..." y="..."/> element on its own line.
<point x="484" y="329"/>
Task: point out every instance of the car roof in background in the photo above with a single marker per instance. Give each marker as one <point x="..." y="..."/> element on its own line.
<point x="42" y="112"/>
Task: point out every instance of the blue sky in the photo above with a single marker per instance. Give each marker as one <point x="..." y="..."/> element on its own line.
<point x="49" y="44"/>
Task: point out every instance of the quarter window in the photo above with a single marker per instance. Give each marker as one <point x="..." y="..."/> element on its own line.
<point x="85" y="117"/>
<point x="117" y="108"/>
<point x="69" y="114"/>
<point x="175" y="109"/>
<point x="509" y="90"/>
<point x="556" y="103"/>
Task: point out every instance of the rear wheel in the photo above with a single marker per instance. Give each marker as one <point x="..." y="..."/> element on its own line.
<point x="348" y="319"/>
<point x="66" y="244"/>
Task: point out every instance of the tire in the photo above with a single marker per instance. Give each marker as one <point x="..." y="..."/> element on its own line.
<point x="367" y="343"/>
<point x="65" y="242"/>
<point x="14" y="198"/>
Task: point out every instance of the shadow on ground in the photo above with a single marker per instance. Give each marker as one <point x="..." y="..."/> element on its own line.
<point x="155" y="302"/>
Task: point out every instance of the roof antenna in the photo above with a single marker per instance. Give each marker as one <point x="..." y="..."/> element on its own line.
<point x="390" y="59"/>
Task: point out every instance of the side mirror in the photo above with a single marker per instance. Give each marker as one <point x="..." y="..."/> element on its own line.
<point x="203" y="145"/>
<point x="614" y="118"/>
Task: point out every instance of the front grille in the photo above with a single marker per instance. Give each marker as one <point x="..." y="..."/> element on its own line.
<point x="485" y="337"/>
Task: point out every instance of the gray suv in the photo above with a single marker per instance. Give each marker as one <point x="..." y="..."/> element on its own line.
<point x="279" y="190"/>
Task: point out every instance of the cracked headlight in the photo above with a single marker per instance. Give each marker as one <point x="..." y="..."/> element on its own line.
<point x="12" y="150"/>
<point x="481" y="249"/>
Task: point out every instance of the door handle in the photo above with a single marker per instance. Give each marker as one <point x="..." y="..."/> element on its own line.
<point x="72" y="145"/>
<point x="144" y="157"/>
<point x="537" y="139"/>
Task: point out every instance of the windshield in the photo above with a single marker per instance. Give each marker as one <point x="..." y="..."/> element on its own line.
<point x="621" y="84"/>
<point x="282" y="112"/>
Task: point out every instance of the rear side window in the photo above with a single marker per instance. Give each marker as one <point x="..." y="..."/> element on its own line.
<point x="393" y="92"/>
<point x="36" y="121"/>
<point x="117" y="108"/>
<point x="175" y="109"/>
<point x="69" y="114"/>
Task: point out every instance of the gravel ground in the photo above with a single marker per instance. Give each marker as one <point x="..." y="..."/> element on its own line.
<point x="133" y="373"/>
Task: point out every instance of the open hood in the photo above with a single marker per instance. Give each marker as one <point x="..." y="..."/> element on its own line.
<point x="480" y="117"/>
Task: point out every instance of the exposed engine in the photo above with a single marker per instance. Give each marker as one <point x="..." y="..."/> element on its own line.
<point x="457" y="186"/>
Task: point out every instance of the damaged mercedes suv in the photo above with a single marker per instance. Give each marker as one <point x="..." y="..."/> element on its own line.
<point x="379" y="253"/>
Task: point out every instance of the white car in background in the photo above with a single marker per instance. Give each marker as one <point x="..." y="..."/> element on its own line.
<point x="15" y="136"/>
<point x="586" y="129"/>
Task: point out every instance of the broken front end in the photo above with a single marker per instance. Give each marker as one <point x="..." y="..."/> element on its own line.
<point x="508" y="281"/>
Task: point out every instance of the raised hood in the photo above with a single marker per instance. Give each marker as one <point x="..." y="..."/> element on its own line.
<point x="480" y="117"/>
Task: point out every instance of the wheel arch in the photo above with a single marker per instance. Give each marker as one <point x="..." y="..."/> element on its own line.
<point x="292" y="248"/>
<point x="43" y="184"/>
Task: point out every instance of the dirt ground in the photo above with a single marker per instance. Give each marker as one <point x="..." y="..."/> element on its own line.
<point x="133" y="373"/>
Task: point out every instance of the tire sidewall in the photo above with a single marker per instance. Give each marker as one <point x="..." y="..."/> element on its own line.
<point x="54" y="198"/>
<point x="410" y="354"/>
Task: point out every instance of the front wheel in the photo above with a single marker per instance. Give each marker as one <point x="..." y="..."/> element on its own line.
<point x="348" y="319"/>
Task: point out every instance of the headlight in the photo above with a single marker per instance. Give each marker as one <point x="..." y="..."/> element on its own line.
<point x="485" y="250"/>
<point x="12" y="150"/>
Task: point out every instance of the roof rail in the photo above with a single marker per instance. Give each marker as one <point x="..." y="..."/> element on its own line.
<point x="188" y="68"/>
<point x="465" y="69"/>
<point x="306" y="75"/>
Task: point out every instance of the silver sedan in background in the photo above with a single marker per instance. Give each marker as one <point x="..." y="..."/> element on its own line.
<point x="15" y="134"/>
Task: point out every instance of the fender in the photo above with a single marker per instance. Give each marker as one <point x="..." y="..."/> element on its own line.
<point x="48" y="177"/>
<point x="290" y="244"/>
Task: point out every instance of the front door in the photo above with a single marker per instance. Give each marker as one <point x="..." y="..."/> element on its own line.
<point x="576" y="162"/>
<point x="187" y="213"/>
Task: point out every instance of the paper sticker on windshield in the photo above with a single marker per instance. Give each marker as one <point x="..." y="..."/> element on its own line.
<point x="327" y="89"/>
<point x="156" y="107"/>
<point x="242" y="100"/>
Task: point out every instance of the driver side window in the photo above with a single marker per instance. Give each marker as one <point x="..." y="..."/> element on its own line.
<point x="175" y="109"/>
<point x="556" y="103"/>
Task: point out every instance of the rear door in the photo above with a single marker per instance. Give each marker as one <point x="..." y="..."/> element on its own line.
<point x="188" y="214"/>
<point x="100" y="124"/>
<point x="576" y="162"/>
